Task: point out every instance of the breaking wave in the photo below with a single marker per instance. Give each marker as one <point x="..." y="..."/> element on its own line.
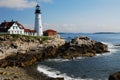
<point x="54" y="73"/>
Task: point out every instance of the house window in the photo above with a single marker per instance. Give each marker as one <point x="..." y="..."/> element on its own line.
<point x="16" y="27"/>
<point x="13" y="27"/>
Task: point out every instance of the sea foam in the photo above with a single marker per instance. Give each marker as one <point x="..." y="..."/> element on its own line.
<point x="58" y="60"/>
<point x="111" y="47"/>
<point x="54" y="73"/>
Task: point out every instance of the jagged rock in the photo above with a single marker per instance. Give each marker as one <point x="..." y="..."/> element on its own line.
<point x="49" y="52"/>
<point x="81" y="46"/>
<point x="100" y="47"/>
<point x="55" y="79"/>
<point x="115" y="76"/>
<point x="20" y="60"/>
<point x="12" y="45"/>
<point x="2" y="38"/>
<point x="117" y="45"/>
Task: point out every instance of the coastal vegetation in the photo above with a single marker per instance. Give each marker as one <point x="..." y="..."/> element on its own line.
<point x="17" y="36"/>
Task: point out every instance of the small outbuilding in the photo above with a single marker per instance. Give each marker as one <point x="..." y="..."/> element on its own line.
<point x="50" y="32"/>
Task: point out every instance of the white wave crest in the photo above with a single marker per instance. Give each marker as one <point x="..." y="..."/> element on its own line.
<point x="54" y="73"/>
<point x="64" y="60"/>
<point x="111" y="47"/>
<point x="58" y="60"/>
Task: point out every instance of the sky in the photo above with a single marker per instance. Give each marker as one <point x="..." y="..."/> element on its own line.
<point x="73" y="16"/>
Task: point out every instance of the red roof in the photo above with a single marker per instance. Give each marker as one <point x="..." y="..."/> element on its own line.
<point x="33" y="31"/>
<point x="28" y="30"/>
<point x="20" y="25"/>
<point x="9" y="24"/>
<point x="4" y="26"/>
<point x="50" y="30"/>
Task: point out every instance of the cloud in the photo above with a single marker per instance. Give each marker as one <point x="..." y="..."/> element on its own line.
<point x="62" y="27"/>
<point x="46" y="1"/>
<point x="77" y="28"/>
<point x="17" y="4"/>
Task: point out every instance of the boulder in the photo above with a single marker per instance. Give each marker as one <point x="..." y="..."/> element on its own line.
<point x="12" y="45"/>
<point x="115" y="76"/>
<point x="20" y="60"/>
<point x="2" y="38"/>
<point x="117" y="45"/>
<point x="55" y="78"/>
<point x="100" y="47"/>
<point x="81" y="46"/>
<point x="49" y="52"/>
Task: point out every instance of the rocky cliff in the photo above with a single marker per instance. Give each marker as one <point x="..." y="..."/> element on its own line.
<point x="19" y="50"/>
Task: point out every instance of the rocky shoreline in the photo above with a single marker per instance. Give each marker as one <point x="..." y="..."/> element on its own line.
<point x="24" y="51"/>
<point x="26" y="73"/>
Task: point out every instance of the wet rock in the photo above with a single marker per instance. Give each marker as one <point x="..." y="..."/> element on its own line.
<point x="117" y="45"/>
<point x="15" y="76"/>
<point x="55" y="78"/>
<point x="100" y="47"/>
<point x="20" y="60"/>
<point x="81" y="46"/>
<point x="115" y="76"/>
<point x="6" y="79"/>
<point x="49" y="52"/>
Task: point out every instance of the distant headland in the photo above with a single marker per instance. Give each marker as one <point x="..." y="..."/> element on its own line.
<point x="106" y="33"/>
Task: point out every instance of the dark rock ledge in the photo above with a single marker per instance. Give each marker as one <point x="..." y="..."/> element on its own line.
<point x="115" y="76"/>
<point x="82" y="46"/>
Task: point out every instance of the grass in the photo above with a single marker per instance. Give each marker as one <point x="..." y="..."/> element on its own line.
<point x="16" y="36"/>
<point x="44" y="38"/>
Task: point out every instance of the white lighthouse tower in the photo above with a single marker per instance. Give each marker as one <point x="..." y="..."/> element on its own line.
<point x="38" y="21"/>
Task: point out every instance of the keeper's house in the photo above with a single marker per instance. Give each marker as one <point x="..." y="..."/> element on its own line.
<point x="15" y="27"/>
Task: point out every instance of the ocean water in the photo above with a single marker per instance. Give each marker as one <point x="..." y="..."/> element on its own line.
<point x="86" y="68"/>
